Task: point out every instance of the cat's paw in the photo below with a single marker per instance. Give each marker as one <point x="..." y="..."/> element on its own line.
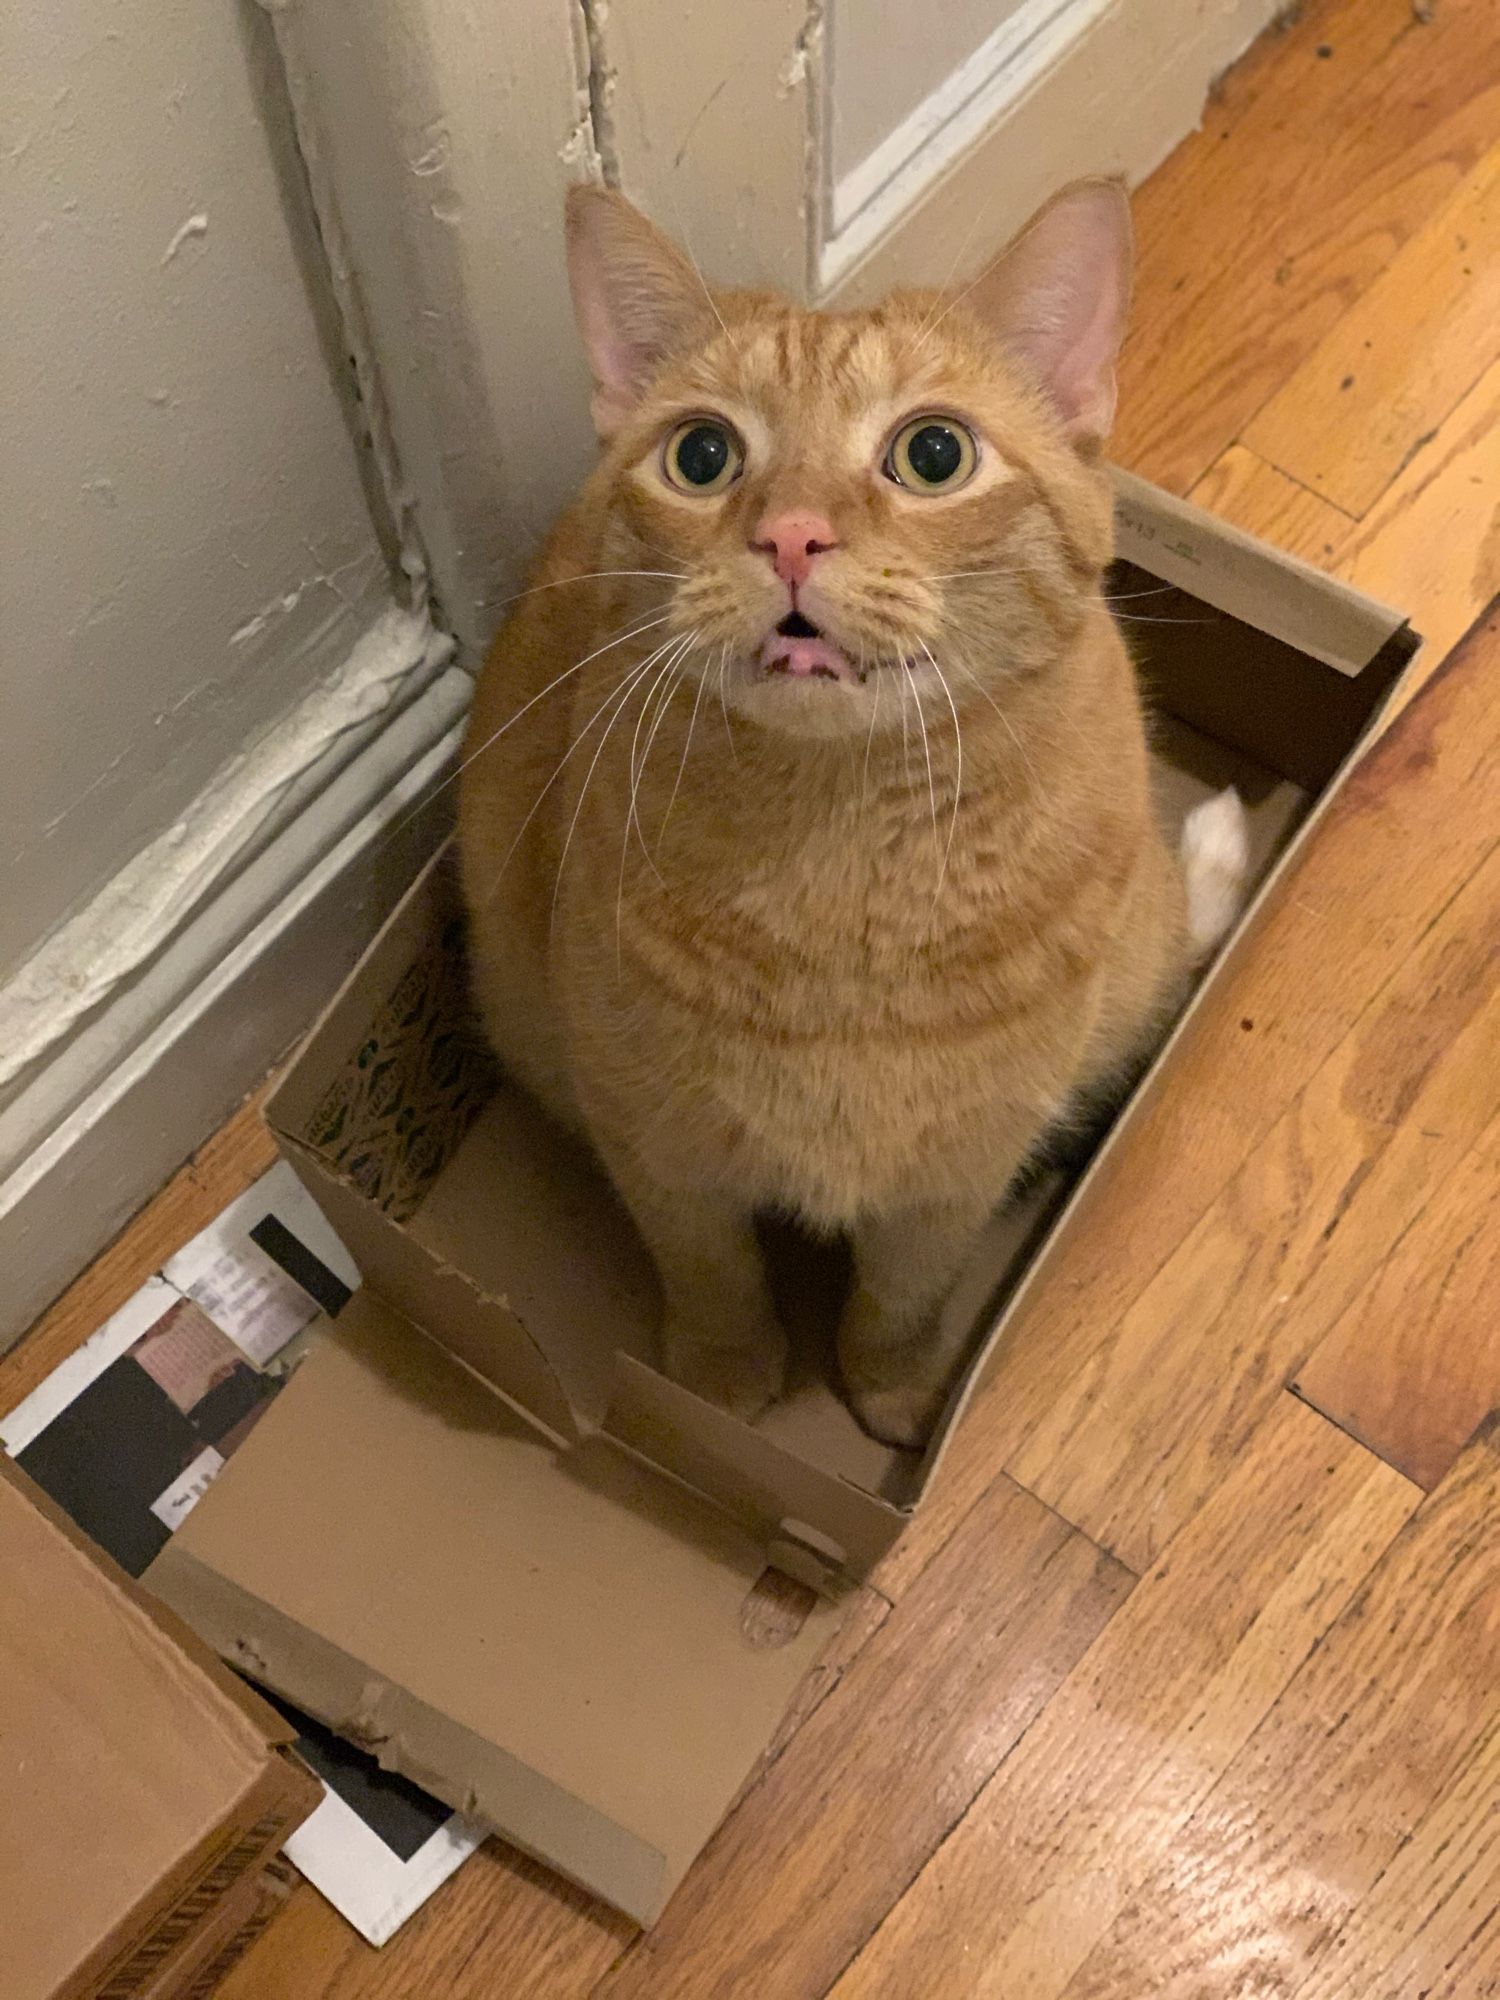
<point x="1215" y="866"/>
<point x="903" y="1416"/>
<point x="744" y="1378"/>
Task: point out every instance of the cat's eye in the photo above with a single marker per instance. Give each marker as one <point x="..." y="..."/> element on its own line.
<point x="702" y="457"/>
<point x="931" y="454"/>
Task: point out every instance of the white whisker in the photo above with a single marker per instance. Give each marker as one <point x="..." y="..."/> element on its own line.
<point x="621" y="697"/>
<point x="454" y="775"/>
<point x="723" y="704"/>
<point x="969" y="674"/>
<point x="958" y="776"/>
<point x="589" y="576"/>
<point x="864" y="788"/>
<point x="926" y="750"/>
<point x="682" y="761"/>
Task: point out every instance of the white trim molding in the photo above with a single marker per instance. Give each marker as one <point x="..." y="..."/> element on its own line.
<point x="1063" y="88"/>
<point x="172" y="1046"/>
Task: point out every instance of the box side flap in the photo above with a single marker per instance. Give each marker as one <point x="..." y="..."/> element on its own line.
<point x="526" y="1211"/>
<point x="580" y="1613"/>
<point x="775" y="1493"/>
<point x="440" y="1296"/>
<point x="406" y="1734"/>
<point x="1310" y="612"/>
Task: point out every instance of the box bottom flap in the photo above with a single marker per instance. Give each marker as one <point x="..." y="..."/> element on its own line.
<point x="567" y="1644"/>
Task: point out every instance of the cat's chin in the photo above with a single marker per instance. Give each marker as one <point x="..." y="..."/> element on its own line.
<point x="803" y="706"/>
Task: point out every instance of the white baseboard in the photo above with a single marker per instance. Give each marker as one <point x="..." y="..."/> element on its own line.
<point x="171" y="1053"/>
<point x="1063" y="88"/>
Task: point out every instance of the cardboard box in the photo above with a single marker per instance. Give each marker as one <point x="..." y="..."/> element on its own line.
<point x="538" y="1601"/>
<point x="141" y="1785"/>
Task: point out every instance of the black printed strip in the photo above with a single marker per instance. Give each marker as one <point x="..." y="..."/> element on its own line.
<point x="299" y="1263"/>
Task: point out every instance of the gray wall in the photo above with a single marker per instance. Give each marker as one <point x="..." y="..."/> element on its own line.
<point x="185" y="544"/>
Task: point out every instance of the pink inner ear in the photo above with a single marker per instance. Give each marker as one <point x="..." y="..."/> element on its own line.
<point x="635" y="298"/>
<point x="1058" y="297"/>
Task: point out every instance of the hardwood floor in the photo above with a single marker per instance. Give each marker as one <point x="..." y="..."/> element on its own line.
<point x="1183" y="1685"/>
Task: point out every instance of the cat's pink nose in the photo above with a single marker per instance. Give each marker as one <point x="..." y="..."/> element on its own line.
<point x="792" y="541"/>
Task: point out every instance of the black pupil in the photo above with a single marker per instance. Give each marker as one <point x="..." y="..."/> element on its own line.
<point x="702" y="454"/>
<point x="934" y="453"/>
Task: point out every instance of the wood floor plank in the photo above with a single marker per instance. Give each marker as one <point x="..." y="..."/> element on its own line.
<point x="1372" y="1733"/>
<point x="806" y="1866"/>
<point x="1430" y="1927"/>
<point x="1339" y="1187"/>
<point x="1431" y="544"/>
<point x="1415" y="821"/>
<point x="1090" y="1801"/>
<point x="1309" y="174"/>
<point x="1242" y="489"/>
<point x="501" y="1926"/>
<point x="1411" y="1367"/>
<point x="1399" y="361"/>
<point x="223" y="1167"/>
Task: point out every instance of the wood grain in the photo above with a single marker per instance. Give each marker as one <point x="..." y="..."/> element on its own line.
<point x="795" y="1881"/>
<point x="1411" y="1367"/>
<point x="1431" y="543"/>
<point x="1399" y="361"/>
<point x="501" y="1926"/>
<point x="223" y="1167"/>
<point x="1308" y="176"/>
<point x="1242" y="489"/>
<point x="1094" y="1795"/>
<point x="1416" y="820"/>
<point x="1430" y="1928"/>
<point x="1338" y="1187"/>
<point x="1379" y="1724"/>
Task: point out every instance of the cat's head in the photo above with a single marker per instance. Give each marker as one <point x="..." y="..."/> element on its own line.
<point x="851" y="510"/>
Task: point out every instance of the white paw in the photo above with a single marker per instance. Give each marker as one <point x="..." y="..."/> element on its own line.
<point x="1215" y="861"/>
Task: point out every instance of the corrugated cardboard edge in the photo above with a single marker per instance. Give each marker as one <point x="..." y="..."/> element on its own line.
<point x="405" y="1734"/>
<point x="185" y="1935"/>
<point x="276" y="1802"/>
<point x="1248" y="580"/>
<point x="241" y="1918"/>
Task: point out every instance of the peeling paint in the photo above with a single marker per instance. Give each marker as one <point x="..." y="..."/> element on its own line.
<point x="602" y="77"/>
<point x="794" y="71"/>
<point x="196" y="225"/>
<point x="105" y="944"/>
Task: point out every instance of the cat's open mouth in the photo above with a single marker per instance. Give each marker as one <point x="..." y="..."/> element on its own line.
<point x="797" y="648"/>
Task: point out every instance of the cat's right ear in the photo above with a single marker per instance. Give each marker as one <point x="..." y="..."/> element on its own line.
<point x="636" y="298"/>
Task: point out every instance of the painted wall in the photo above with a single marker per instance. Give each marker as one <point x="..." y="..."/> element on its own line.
<point x="185" y="542"/>
<point x="887" y="56"/>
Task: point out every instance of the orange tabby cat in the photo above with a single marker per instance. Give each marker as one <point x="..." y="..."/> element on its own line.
<point x="807" y="837"/>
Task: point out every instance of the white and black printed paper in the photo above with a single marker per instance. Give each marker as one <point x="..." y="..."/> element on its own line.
<point x="126" y="1436"/>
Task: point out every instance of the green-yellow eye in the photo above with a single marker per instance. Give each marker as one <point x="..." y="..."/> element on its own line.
<point x="931" y="454"/>
<point x="703" y="456"/>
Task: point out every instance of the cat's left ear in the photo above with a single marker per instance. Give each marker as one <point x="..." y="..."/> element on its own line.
<point x="1058" y="297"/>
<point x="636" y="298"/>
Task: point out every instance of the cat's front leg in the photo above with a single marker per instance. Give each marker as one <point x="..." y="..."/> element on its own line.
<point x="897" y="1363"/>
<point x="720" y="1336"/>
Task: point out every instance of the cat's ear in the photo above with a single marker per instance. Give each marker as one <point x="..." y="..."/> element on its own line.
<point x="636" y="298"/>
<point x="1058" y="297"/>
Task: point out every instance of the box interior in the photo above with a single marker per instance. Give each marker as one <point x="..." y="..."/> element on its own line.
<point x="419" y="1119"/>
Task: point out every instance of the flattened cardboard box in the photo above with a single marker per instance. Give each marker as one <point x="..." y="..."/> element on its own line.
<point x="140" y="1783"/>
<point x="525" y="1583"/>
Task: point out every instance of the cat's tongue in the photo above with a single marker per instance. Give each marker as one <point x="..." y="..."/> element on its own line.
<point x="806" y="659"/>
